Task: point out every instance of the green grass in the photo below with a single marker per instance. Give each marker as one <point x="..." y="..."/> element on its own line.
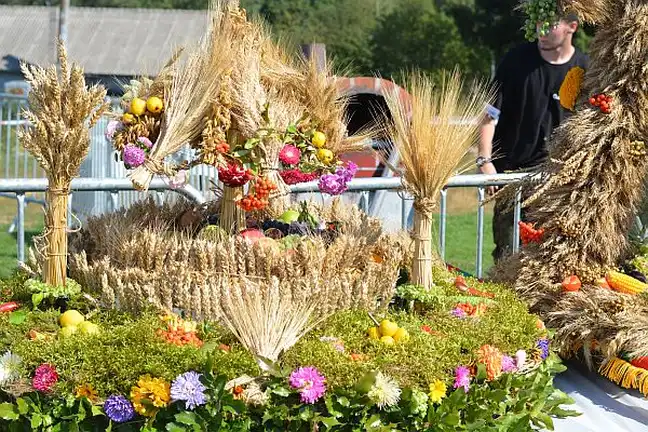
<point x="8" y="249"/>
<point x="461" y="241"/>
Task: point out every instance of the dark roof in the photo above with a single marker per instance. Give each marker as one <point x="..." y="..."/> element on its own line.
<point x="105" y="41"/>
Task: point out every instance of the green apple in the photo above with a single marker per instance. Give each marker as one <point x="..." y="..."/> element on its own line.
<point x="88" y="328"/>
<point x="289" y="216"/>
<point x="67" y="331"/>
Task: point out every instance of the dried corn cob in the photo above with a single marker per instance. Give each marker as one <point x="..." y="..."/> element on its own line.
<point x="624" y="283"/>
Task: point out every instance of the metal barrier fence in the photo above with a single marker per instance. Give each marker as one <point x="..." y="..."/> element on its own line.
<point x="364" y="185"/>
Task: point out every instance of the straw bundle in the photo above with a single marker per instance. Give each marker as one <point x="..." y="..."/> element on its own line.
<point x="265" y="319"/>
<point x="61" y="111"/>
<point x="431" y="134"/>
<point x="194" y="89"/>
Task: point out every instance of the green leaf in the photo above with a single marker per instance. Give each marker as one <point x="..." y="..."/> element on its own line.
<point x="36" y="421"/>
<point x="344" y="401"/>
<point x="546" y="420"/>
<point x="17" y="317"/>
<point x="96" y="411"/>
<point x="37" y="298"/>
<point x="281" y="391"/>
<point x="7" y="411"/>
<point x="451" y="419"/>
<point x="329" y="422"/>
<point x="172" y="427"/>
<point x="23" y="407"/>
<point x="186" y="417"/>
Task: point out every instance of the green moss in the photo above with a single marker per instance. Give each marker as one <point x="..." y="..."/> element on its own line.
<point x="425" y="357"/>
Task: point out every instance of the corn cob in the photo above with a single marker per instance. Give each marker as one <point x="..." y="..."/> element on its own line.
<point x="624" y="283"/>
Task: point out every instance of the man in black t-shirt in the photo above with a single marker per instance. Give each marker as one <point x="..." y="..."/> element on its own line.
<point x="526" y="110"/>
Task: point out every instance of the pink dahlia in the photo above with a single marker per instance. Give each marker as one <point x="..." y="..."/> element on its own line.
<point x="290" y="155"/>
<point x="45" y="377"/>
<point x="462" y="378"/>
<point x="133" y="155"/>
<point x="332" y="184"/>
<point x="310" y="383"/>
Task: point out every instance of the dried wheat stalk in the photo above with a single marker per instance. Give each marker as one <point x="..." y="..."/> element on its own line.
<point x="430" y="144"/>
<point x="61" y="111"/>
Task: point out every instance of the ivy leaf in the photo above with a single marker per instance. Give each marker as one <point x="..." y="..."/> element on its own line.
<point x="281" y="391"/>
<point x="329" y="422"/>
<point x="344" y="401"/>
<point x="7" y="411"/>
<point x="17" y="317"/>
<point x="96" y="411"/>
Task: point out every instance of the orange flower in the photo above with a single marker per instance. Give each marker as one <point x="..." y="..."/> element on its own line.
<point x="87" y="391"/>
<point x="492" y="358"/>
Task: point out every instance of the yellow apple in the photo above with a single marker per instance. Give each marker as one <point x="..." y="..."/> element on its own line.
<point x="71" y="318"/>
<point x="388" y="328"/>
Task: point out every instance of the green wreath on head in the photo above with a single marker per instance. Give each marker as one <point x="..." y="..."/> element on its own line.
<point x="544" y="12"/>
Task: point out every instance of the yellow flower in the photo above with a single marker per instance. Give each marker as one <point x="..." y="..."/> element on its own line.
<point x="87" y="391"/>
<point x="155" y="391"/>
<point x="438" y="391"/>
<point x="571" y="87"/>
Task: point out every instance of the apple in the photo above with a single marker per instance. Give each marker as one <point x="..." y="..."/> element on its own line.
<point x="387" y="340"/>
<point x="388" y="328"/>
<point x="289" y="216"/>
<point x="251" y="234"/>
<point x="88" y="328"/>
<point x="401" y="335"/>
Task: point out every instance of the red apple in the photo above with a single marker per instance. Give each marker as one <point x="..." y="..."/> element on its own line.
<point x="251" y="234"/>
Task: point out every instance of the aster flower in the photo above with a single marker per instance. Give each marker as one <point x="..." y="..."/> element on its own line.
<point x="133" y="155"/>
<point x="179" y="180"/>
<point x="384" y="392"/>
<point x="347" y="172"/>
<point x="520" y="359"/>
<point x="187" y="387"/>
<point x="9" y="367"/>
<point x="86" y="391"/>
<point x="112" y="128"/>
<point x="462" y="378"/>
<point x="145" y="142"/>
<point x="294" y="176"/>
<point x="458" y="313"/>
<point x="290" y="155"/>
<point x="438" y="391"/>
<point x="156" y="393"/>
<point x="491" y="357"/>
<point x="332" y="184"/>
<point x="309" y="382"/>
<point x="508" y="364"/>
<point x="543" y="346"/>
<point x="45" y="377"/>
<point x="118" y="409"/>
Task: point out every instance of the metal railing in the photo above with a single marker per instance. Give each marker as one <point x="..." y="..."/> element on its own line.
<point x="479" y="181"/>
<point x="22" y="186"/>
<point x="364" y="185"/>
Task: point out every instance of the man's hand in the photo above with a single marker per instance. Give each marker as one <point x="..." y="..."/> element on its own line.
<point x="489" y="168"/>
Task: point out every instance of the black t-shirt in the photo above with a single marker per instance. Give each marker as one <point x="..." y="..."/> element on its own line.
<point x="529" y="108"/>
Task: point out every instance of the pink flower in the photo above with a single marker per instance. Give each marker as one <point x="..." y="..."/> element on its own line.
<point x="145" y="142"/>
<point x="179" y="180"/>
<point x="290" y="155"/>
<point x="332" y="184"/>
<point x="113" y="127"/>
<point x="458" y="312"/>
<point x="462" y="378"/>
<point x="45" y="377"/>
<point x="294" y="176"/>
<point x="133" y="156"/>
<point x="310" y="383"/>
<point x="347" y="172"/>
<point x="508" y="364"/>
<point x="520" y="359"/>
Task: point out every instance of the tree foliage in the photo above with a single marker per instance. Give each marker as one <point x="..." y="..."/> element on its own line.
<point x="383" y="37"/>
